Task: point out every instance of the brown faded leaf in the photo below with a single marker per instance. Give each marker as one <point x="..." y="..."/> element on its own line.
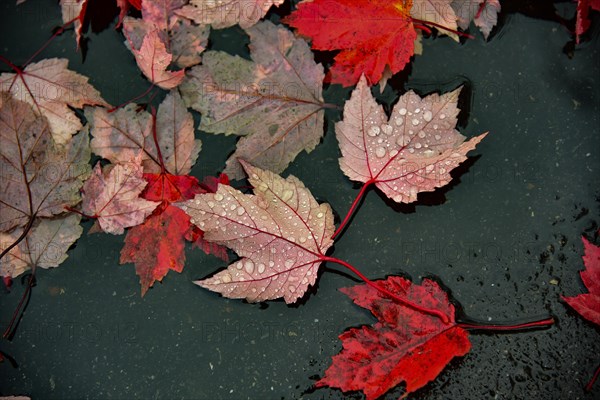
<point x="51" y="89"/>
<point x="153" y="59"/>
<point x="45" y="246"/>
<point x="483" y="12"/>
<point x="413" y="151"/>
<point x="281" y="234"/>
<point x="273" y="101"/>
<point x="126" y="133"/>
<point x="37" y="176"/>
<point x="223" y="14"/>
<point x="182" y="38"/>
<point x="113" y="197"/>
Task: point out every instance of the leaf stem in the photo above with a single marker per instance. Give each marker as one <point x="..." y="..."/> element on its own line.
<point x="436" y="313"/>
<point x="58" y="32"/>
<point x="353" y="207"/>
<point x="588" y="387"/>
<point x="155" y="137"/>
<point x="20" y="238"/>
<point x="429" y="23"/>
<point x="543" y="323"/>
<point x="71" y="209"/>
<point x="139" y="96"/>
<point x="20" y="310"/>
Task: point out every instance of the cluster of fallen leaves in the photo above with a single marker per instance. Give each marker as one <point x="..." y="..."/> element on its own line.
<point x="143" y="185"/>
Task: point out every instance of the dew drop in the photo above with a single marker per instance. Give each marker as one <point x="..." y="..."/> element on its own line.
<point x="261" y="268"/>
<point x="442" y="116"/>
<point x="289" y="263"/>
<point x="218" y="196"/>
<point x="415" y="121"/>
<point x="373" y="131"/>
<point x="427" y="116"/>
<point x="380" y="152"/>
<point x="239" y="265"/>
<point x="421" y="134"/>
<point x="249" y="266"/>
<point x="418" y="110"/>
<point x="287" y="194"/>
<point x="210" y="204"/>
<point x="403" y="111"/>
<point x="387" y="129"/>
<point x="399" y="121"/>
<point x="442" y="170"/>
<point x="320" y="215"/>
<point x="240" y="211"/>
<point x="271" y="264"/>
<point x="417" y="145"/>
<point x="226" y="278"/>
<point x="393" y="153"/>
<point x="411" y="150"/>
<point x="292" y="288"/>
<point x="437" y="137"/>
<point x="302" y="239"/>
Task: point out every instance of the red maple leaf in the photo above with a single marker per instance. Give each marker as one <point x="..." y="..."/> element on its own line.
<point x="588" y="304"/>
<point x="405" y="345"/>
<point x="371" y="34"/>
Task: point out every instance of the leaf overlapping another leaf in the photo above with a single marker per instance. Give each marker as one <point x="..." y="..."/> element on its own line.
<point x="45" y="246"/>
<point x="122" y="135"/>
<point x="223" y="14"/>
<point x="38" y="177"/>
<point x="51" y="89"/>
<point x="273" y="101"/>
<point x="113" y="197"/>
<point x="280" y="232"/>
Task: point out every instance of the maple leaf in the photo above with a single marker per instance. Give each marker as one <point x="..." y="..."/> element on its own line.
<point x="405" y="345"/>
<point x="45" y="245"/>
<point x="153" y="59"/>
<point x="223" y="14"/>
<point x="588" y="305"/>
<point x="113" y="197"/>
<point x="412" y="151"/>
<point x="483" y="12"/>
<point x="582" y="23"/>
<point x="274" y="101"/>
<point x="371" y="35"/>
<point x="183" y="39"/>
<point x="51" y="89"/>
<point x="126" y="133"/>
<point x="281" y="234"/>
<point x="38" y="178"/>
<point x="156" y="246"/>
